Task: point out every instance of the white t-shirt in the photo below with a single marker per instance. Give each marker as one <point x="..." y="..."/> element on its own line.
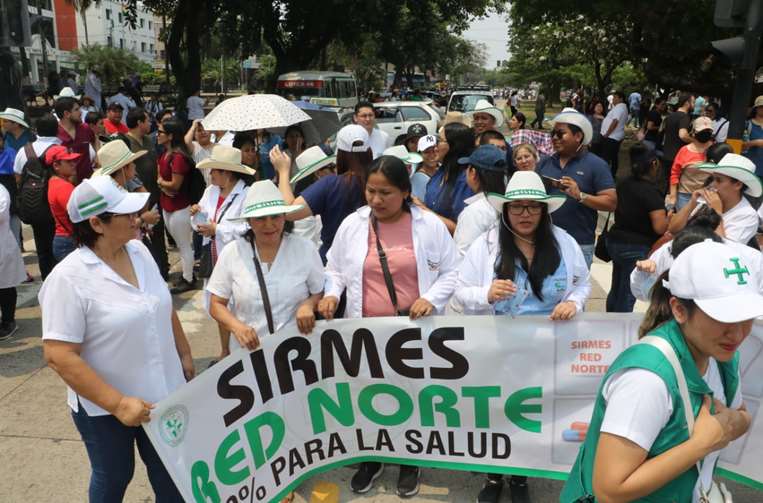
<point x="378" y="141"/>
<point x="514" y="101"/>
<point x="740" y="223"/>
<point x="125" y="332"/>
<point x="39" y="146"/>
<point x="639" y="406"/>
<point x="721" y="129"/>
<point x="619" y="112"/>
<point x="295" y="274"/>
<point x="195" y="106"/>
<point x="477" y="217"/>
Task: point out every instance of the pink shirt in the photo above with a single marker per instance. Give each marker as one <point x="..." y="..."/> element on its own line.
<point x="397" y="242"/>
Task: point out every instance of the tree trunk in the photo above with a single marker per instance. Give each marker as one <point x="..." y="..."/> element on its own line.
<point x="84" y="24"/>
<point x="186" y="29"/>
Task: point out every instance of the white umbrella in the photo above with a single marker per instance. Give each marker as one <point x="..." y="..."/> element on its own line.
<point x="254" y="111"/>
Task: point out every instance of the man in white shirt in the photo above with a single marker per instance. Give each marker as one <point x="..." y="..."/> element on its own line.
<point x="720" y="124"/>
<point x="195" y="105"/>
<point x="613" y="130"/>
<point x="366" y="117"/>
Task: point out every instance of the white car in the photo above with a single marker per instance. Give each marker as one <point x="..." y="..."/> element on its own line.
<point x="395" y="117"/>
<point x="465" y="100"/>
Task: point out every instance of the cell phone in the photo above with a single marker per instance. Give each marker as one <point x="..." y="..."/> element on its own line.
<point x="554" y="182"/>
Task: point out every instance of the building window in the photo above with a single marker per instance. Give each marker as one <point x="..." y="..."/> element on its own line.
<point x="142" y="22"/>
<point x="121" y="43"/>
<point x="150" y="25"/>
<point x="142" y="47"/>
<point x="108" y="13"/>
<point x="120" y="18"/>
<point x="152" y="48"/>
<point x="109" y="41"/>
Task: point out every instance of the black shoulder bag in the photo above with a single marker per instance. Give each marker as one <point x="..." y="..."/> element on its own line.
<point x="263" y="289"/>
<point x="385" y="270"/>
<point x="206" y="265"/>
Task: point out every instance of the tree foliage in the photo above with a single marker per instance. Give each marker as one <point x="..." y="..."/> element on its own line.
<point x="111" y="62"/>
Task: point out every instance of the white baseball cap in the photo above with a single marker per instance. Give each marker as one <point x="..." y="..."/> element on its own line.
<point x="426" y="142"/>
<point x="101" y="194"/>
<point x="719" y="280"/>
<point x="352" y="138"/>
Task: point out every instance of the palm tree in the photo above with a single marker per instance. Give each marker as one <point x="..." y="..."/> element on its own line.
<point x="82" y="6"/>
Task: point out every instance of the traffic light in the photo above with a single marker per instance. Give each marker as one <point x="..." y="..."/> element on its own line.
<point x="731" y="49"/>
<point x="14" y="15"/>
<point x="730" y="13"/>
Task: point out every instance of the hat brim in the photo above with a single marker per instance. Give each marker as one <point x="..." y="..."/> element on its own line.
<point x="733" y="309"/>
<point x="76" y="96"/>
<point x="226" y="166"/>
<point x="576" y="119"/>
<point x="267" y="211"/>
<point x="497" y="115"/>
<point x="553" y="202"/>
<point x="413" y="158"/>
<point x="13" y="118"/>
<point x="312" y="168"/>
<point x="133" y="202"/>
<point x="109" y="170"/>
<point x="753" y="183"/>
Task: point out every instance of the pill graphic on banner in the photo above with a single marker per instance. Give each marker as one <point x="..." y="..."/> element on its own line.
<point x="579" y="425"/>
<point x="573" y="435"/>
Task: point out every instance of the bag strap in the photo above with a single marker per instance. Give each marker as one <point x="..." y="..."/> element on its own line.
<point x="219" y="219"/>
<point x="670" y="354"/>
<point x="384" y="265"/>
<point x="606" y="223"/>
<point x="263" y="289"/>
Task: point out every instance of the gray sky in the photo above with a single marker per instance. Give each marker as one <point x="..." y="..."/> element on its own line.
<point x="493" y="32"/>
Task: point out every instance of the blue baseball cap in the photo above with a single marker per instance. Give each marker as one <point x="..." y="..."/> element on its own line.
<point x="487" y="157"/>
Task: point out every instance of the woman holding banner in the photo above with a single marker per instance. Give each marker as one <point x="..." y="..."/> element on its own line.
<point x="390" y="238"/>
<point x="668" y="405"/>
<point x="272" y="277"/>
<point x="524" y="266"/>
<point x="111" y="333"/>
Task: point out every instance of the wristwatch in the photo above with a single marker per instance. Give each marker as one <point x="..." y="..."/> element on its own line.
<point x="583" y="195"/>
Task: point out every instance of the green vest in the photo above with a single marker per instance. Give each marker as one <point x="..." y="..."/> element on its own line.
<point x="644" y="356"/>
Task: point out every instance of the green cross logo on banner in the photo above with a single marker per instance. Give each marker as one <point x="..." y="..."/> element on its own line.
<point x="738" y="270"/>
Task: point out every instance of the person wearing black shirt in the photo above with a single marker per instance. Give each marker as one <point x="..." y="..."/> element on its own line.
<point x="640" y="219"/>
<point x="677" y="127"/>
<point x="652" y="123"/>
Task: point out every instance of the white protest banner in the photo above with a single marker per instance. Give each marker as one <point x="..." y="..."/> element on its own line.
<point x="476" y="393"/>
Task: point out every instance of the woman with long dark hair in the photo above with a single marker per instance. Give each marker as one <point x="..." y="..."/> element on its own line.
<point x="652" y="435"/>
<point x="175" y="165"/>
<point x="447" y="191"/>
<point x="416" y="279"/>
<point x="524" y="266"/>
<point x="333" y="197"/>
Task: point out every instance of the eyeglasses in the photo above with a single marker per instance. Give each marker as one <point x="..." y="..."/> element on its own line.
<point x="558" y="133"/>
<point x="532" y="209"/>
<point x="161" y="131"/>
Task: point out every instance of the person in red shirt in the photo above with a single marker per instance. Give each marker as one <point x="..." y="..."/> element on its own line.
<point x="76" y="136"/>
<point x="60" y="188"/>
<point x="113" y="123"/>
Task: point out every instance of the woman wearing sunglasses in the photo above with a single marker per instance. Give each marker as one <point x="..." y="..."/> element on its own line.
<point x="525" y="265"/>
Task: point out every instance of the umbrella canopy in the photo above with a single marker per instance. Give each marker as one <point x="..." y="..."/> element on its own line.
<point x="321" y="125"/>
<point x="254" y="111"/>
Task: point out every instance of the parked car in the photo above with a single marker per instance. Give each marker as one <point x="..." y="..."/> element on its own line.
<point x="395" y="117"/>
<point x="465" y="100"/>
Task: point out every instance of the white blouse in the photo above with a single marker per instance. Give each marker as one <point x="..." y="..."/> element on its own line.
<point x="295" y="274"/>
<point x="226" y="230"/>
<point x="125" y="332"/>
<point x="12" y="272"/>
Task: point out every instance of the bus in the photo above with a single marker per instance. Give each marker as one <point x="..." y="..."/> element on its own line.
<point x="333" y="89"/>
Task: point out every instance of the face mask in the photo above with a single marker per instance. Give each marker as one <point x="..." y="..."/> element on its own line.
<point x="704" y="136"/>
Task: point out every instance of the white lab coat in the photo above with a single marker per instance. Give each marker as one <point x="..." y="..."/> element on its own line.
<point x="227" y="230"/>
<point x="436" y="259"/>
<point x="476" y="219"/>
<point x="477" y="272"/>
<point x="12" y="272"/>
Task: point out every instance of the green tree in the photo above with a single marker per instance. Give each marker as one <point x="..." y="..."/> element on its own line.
<point x="111" y="62"/>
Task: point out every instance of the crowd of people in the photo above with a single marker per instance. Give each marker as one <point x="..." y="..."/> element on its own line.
<point x="464" y="222"/>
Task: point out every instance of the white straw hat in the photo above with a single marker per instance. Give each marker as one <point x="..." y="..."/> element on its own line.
<point x="225" y="158"/>
<point x="572" y="116"/>
<point x="485" y="107"/>
<point x="526" y="185"/>
<point x="67" y="92"/>
<point x="739" y="168"/>
<point x="115" y="155"/>
<point x="349" y="135"/>
<point x="719" y="280"/>
<point x="310" y="161"/>
<point x="100" y="195"/>
<point x="262" y="199"/>
<point x="402" y="153"/>
<point x="14" y="115"/>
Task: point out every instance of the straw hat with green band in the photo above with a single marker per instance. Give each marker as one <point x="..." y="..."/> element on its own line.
<point x="263" y="199"/>
<point x="523" y="186"/>
<point x="225" y="158"/>
<point x="310" y="161"/>
<point x="114" y="156"/>
<point x="739" y="168"/>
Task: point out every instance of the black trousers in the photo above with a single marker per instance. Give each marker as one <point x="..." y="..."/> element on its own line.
<point x="8" y="304"/>
<point x="158" y="248"/>
<point x="610" y="152"/>
<point x="43" y="241"/>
